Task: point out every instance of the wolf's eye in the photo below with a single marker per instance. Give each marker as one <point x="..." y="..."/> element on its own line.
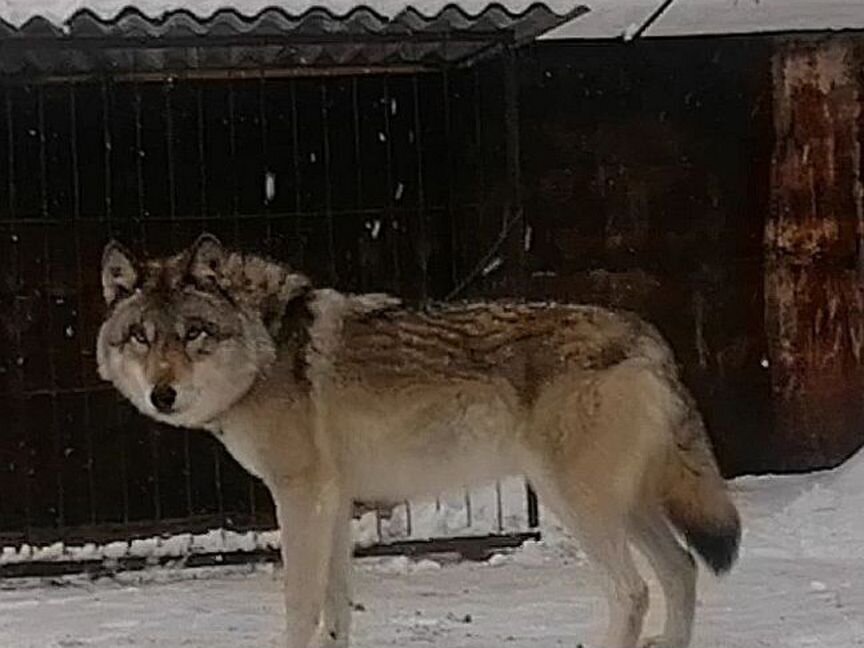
<point x="194" y="332"/>
<point x="137" y="333"/>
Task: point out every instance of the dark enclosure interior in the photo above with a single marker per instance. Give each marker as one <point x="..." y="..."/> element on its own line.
<point x="367" y="183"/>
<point x="646" y="172"/>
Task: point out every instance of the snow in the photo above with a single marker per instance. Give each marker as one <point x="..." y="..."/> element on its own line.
<point x="613" y="19"/>
<point x="690" y="17"/>
<point x="816" y="516"/>
<point x="18" y="12"/>
<point x="607" y="19"/>
<point x="797" y="585"/>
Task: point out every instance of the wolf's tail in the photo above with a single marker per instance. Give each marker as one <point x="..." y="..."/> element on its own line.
<point x="696" y="500"/>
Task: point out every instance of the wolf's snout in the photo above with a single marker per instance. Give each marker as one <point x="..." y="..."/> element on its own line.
<point x="163" y="398"/>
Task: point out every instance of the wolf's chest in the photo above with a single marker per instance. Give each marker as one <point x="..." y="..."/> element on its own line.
<point x="267" y="447"/>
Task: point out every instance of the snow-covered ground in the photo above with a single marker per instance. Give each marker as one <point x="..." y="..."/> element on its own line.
<point x="799" y="584"/>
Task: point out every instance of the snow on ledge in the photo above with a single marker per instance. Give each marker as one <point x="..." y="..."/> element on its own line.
<point x="482" y="511"/>
<point x="705" y="17"/>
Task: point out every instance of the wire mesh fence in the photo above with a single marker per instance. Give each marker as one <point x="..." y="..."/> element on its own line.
<point x="366" y="183"/>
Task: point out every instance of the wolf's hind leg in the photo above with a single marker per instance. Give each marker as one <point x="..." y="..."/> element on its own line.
<point x="676" y="571"/>
<point x="602" y="535"/>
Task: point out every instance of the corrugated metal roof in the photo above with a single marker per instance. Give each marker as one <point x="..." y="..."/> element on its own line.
<point x="180" y="40"/>
<point x="17" y="12"/>
<point x="612" y="19"/>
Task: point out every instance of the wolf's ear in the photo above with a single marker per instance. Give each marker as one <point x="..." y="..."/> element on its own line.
<point x="206" y="259"/>
<point x="119" y="273"/>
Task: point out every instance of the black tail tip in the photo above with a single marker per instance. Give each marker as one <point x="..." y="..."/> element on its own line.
<point x="717" y="547"/>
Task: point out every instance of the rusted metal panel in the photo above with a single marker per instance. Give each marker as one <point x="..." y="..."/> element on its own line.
<point x="646" y="184"/>
<point x="813" y="282"/>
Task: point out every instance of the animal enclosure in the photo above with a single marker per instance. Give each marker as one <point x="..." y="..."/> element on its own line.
<point x="365" y="182"/>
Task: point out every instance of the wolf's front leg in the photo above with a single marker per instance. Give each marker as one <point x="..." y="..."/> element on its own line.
<point x="337" y="604"/>
<point x="307" y="511"/>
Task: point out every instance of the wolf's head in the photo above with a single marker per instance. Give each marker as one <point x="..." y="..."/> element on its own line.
<point x="187" y="336"/>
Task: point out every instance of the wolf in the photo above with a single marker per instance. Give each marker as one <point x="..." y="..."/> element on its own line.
<point x="330" y="397"/>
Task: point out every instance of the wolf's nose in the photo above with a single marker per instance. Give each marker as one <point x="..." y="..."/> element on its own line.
<point x="163" y="397"/>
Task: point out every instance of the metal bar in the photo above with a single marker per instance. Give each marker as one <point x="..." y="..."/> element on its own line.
<point x="355" y="107"/>
<point x="313" y="213"/>
<point x="421" y="194"/>
<point x="32" y="393"/>
<point x="80" y="282"/>
<point x="484" y="261"/>
<point x="514" y="163"/>
<point x="262" y="121"/>
<point x="206" y="41"/>
<point x="10" y="145"/>
<point x="112" y="531"/>
<point x="202" y="149"/>
<point x="46" y="278"/>
<point x="43" y="156"/>
<point x="252" y="504"/>
<point x="499" y="507"/>
<point x="448" y="139"/>
<point x="88" y="425"/>
<point x="328" y="189"/>
<point x="476" y="102"/>
<point x="139" y="156"/>
<point x="187" y="470"/>
<point x="76" y="173"/>
<point x="232" y="152"/>
<point x="295" y="149"/>
<point x="154" y="454"/>
<point x="124" y="472"/>
<point x="169" y="145"/>
<point x="217" y="481"/>
<point x="474" y="548"/>
<point x="394" y="231"/>
<point x="224" y="74"/>
<point x="533" y="507"/>
<point x="106" y="138"/>
<point x="653" y="18"/>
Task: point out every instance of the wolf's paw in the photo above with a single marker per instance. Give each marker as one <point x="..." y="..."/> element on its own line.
<point x="329" y="641"/>
<point x="662" y="641"/>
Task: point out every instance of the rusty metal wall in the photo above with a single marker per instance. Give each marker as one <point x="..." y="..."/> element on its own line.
<point x="815" y="258"/>
<point x="647" y="171"/>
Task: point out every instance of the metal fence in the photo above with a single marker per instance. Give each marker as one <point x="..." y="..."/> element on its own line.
<point x="366" y="182"/>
